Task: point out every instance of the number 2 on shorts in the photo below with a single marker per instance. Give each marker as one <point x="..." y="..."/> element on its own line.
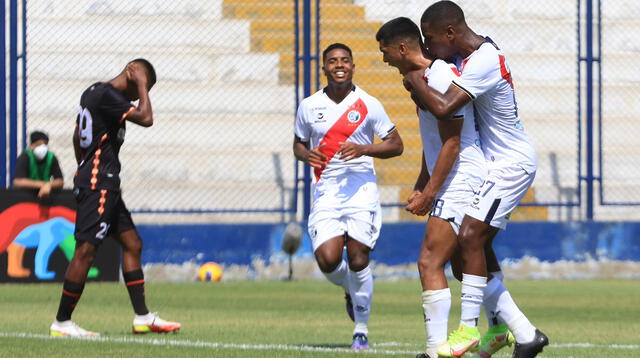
<point x="104" y="227"/>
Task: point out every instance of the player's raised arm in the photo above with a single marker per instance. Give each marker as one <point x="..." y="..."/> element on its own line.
<point x="441" y="105"/>
<point x="138" y="77"/>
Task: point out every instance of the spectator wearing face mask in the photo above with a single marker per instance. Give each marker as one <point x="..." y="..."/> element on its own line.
<point x="38" y="168"/>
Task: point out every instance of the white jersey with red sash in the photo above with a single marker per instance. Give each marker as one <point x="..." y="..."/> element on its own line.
<point x="511" y="158"/>
<point x="356" y="119"/>
<point x="486" y="79"/>
<point x="343" y="189"/>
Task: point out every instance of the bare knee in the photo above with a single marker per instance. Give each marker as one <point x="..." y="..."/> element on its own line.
<point x="133" y="247"/>
<point x="327" y="264"/>
<point x="85" y="253"/>
<point x="358" y="254"/>
<point x="473" y="238"/>
<point x="428" y="263"/>
<point x="358" y="262"/>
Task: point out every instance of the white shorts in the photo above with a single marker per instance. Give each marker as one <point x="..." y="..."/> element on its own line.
<point x="451" y="204"/>
<point x="500" y="194"/>
<point x="362" y="226"/>
<point x="346" y="204"/>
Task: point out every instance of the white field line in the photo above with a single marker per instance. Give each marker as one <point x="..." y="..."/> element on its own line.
<point x="283" y="347"/>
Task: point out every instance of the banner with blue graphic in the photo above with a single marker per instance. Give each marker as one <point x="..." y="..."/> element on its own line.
<point x="37" y="241"/>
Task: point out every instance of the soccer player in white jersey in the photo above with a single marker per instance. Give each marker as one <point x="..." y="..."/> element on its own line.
<point x="486" y="81"/>
<point x="453" y="167"/>
<point x="334" y="132"/>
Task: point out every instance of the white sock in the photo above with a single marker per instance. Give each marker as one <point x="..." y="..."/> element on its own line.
<point x="490" y="301"/>
<point x="510" y="314"/>
<point x="337" y="276"/>
<point x="361" y="291"/>
<point x="472" y="293"/>
<point x="436" y="305"/>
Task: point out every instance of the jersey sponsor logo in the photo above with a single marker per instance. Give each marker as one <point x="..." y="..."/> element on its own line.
<point x="341" y="130"/>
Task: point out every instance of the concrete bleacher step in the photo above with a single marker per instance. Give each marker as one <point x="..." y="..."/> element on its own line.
<point x="89" y="34"/>
<point x="78" y="9"/>
<point x="179" y="132"/>
<point x="187" y="69"/>
<point x="220" y="99"/>
<point x="285" y="10"/>
<point x="203" y="196"/>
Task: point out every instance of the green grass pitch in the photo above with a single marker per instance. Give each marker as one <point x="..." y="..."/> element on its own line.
<point x="584" y="318"/>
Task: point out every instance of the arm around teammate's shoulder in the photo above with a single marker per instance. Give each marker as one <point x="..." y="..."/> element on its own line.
<point x="440" y="105"/>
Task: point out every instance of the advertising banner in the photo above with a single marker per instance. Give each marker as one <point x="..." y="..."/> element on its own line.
<point x="37" y="241"/>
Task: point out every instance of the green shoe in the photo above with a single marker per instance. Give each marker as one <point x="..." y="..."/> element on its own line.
<point x="460" y="342"/>
<point x="496" y="338"/>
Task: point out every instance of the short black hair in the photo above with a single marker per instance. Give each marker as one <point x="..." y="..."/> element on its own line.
<point x="399" y="28"/>
<point x="151" y="72"/>
<point x="443" y="12"/>
<point x="38" y="135"/>
<point x="334" y="46"/>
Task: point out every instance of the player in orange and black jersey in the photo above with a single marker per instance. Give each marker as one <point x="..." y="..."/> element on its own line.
<point x="100" y="130"/>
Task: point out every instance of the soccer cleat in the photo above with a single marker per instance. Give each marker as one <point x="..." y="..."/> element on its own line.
<point x="531" y="349"/>
<point x="460" y="342"/>
<point x="69" y="329"/>
<point x="496" y="338"/>
<point x="349" y="306"/>
<point x="151" y="322"/>
<point x="360" y="341"/>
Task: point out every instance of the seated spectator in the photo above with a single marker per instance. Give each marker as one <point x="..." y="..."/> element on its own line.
<point x="38" y="167"/>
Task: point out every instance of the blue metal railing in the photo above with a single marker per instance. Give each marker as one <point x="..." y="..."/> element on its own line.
<point x="310" y="54"/>
<point x="3" y="102"/>
<point x="13" y="86"/>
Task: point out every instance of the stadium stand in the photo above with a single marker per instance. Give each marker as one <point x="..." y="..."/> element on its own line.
<point x="226" y="67"/>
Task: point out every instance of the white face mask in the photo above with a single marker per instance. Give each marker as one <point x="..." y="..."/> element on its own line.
<point x="40" y="151"/>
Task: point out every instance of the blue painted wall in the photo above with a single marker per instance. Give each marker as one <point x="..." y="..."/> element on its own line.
<point x="398" y="243"/>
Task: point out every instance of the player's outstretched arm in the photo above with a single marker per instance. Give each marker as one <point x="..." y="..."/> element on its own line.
<point x="450" y="136"/>
<point x="391" y="146"/>
<point x="143" y="114"/>
<point x="440" y="105"/>
<point x="313" y="157"/>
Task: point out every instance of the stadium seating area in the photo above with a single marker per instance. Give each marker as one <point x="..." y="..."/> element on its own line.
<point x="225" y="104"/>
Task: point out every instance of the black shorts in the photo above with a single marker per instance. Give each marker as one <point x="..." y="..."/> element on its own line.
<point x="100" y="213"/>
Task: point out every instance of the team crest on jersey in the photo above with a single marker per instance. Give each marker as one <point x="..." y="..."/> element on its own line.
<point x="353" y="116"/>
